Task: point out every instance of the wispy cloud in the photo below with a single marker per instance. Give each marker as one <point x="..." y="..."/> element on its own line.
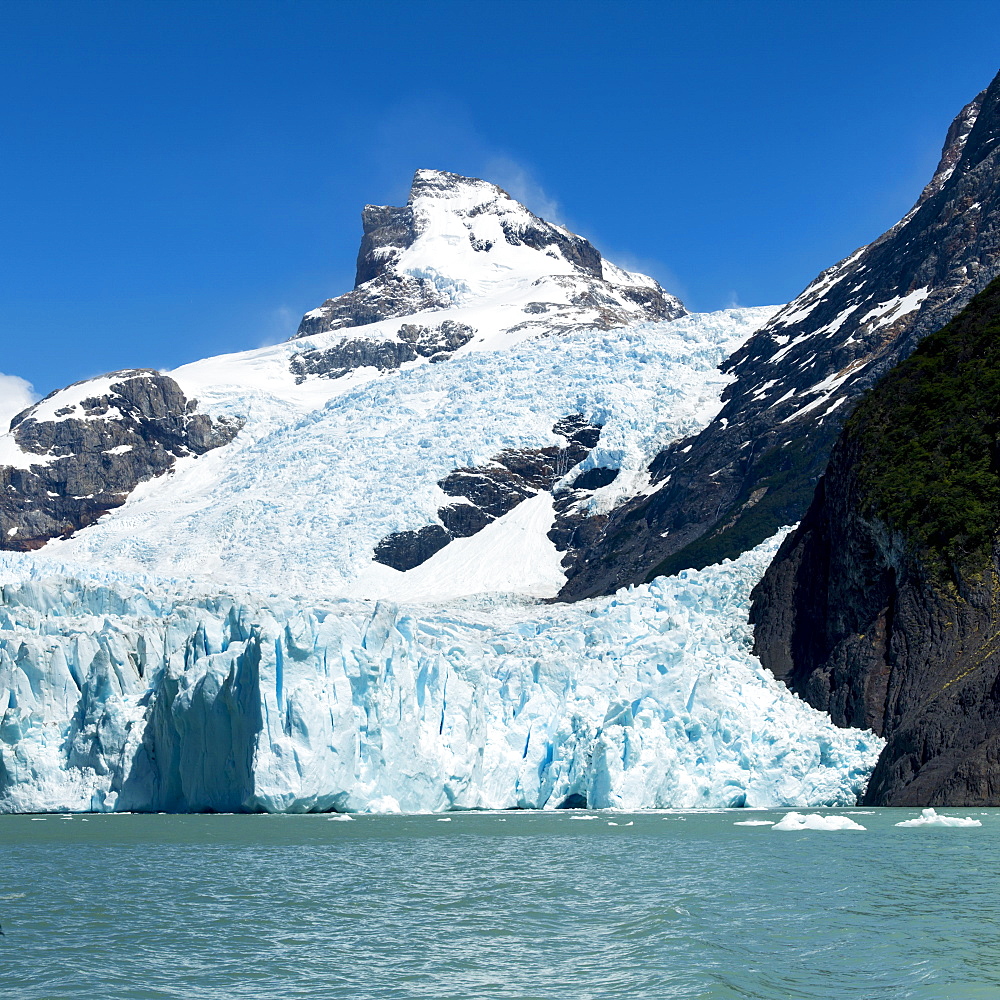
<point x="437" y="132"/>
<point x="518" y="182"/>
<point x="278" y="325"/>
<point x="431" y="131"/>
<point x="16" y="394"/>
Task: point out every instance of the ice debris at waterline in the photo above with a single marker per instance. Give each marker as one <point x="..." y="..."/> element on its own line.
<point x="796" y="821"/>
<point x="116" y="698"/>
<point x="928" y="817"/>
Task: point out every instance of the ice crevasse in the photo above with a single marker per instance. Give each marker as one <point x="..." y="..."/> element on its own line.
<point x="119" y="694"/>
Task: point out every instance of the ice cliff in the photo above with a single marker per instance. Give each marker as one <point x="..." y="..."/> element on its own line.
<point x="121" y="698"/>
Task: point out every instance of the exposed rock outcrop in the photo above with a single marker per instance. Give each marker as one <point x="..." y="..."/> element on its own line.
<point x="486" y="493"/>
<point x="883" y="607"/>
<point x="82" y="450"/>
<point x="415" y="341"/>
<point x="755" y="467"/>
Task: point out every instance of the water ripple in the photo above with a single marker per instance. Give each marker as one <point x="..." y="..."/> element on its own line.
<point x="405" y="908"/>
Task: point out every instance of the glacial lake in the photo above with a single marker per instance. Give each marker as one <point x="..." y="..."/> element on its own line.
<point x="520" y="905"/>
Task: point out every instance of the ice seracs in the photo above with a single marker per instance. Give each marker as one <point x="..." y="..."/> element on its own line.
<point x="128" y="695"/>
<point x="322" y="471"/>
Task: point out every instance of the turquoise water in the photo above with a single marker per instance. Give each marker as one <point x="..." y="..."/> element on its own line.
<point x="513" y="905"/>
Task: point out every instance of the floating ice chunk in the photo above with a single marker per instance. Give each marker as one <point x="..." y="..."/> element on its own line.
<point x="446" y="819"/>
<point x="343" y="817"/>
<point x="757" y="822"/>
<point x="928" y="817"/>
<point x="813" y="821"/>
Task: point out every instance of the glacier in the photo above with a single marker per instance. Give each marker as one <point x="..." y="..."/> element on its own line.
<point x="122" y="695"/>
<point x="225" y="639"/>
<point x="323" y="470"/>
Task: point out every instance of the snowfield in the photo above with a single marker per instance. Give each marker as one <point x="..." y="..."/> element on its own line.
<point x="299" y="500"/>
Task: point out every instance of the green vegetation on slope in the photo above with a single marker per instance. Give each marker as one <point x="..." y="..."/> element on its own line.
<point x="928" y="435"/>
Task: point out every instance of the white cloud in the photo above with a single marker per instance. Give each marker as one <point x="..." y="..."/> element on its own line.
<point x="519" y="184"/>
<point x="278" y="325"/>
<point x="15" y="395"/>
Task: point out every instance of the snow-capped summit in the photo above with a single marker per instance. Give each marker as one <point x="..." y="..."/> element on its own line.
<point x="464" y="242"/>
<point x="352" y="432"/>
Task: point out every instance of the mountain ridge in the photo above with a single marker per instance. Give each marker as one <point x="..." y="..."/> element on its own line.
<point x="755" y="466"/>
<point x="883" y="606"/>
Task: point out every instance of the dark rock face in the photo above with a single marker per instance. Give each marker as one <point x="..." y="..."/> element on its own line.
<point x="856" y="625"/>
<point x="96" y="452"/>
<point x="755" y="467"/>
<point x="385" y="228"/>
<point x="594" y="479"/>
<point x="433" y="342"/>
<point x="883" y="607"/>
<point x="489" y="492"/>
<point x="383" y="291"/>
<point x="380" y="298"/>
<point x="406" y="549"/>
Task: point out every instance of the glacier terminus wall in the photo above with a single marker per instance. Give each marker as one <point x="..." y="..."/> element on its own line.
<point x="121" y="698"/>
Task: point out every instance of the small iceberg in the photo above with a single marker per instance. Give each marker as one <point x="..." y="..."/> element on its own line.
<point x="756" y="822"/>
<point x="928" y="817"/>
<point x="343" y="817"/>
<point x="813" y="821"/>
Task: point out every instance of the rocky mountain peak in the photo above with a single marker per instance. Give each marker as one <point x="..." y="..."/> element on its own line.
<point x="452" y="224"/>
<point x="462" y="240"/>
<point x="954" y="146"/>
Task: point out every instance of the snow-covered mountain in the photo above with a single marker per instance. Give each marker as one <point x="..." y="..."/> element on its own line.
<point x="463" y="244"/>
<point x="307" y="576"/>
<point x="341" y="441"/>
<point x="795" y="382"/>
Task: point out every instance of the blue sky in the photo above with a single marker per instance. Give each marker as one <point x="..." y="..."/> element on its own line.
<point x="182" y="179"/>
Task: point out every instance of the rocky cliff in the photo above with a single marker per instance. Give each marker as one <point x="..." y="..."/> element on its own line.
<point x="883" y="607"/>
<point x="755" y="467"/>
<point x="80" y="451"/>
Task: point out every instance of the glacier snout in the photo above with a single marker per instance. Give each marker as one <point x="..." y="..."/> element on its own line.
<point x="119" y="700"/>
